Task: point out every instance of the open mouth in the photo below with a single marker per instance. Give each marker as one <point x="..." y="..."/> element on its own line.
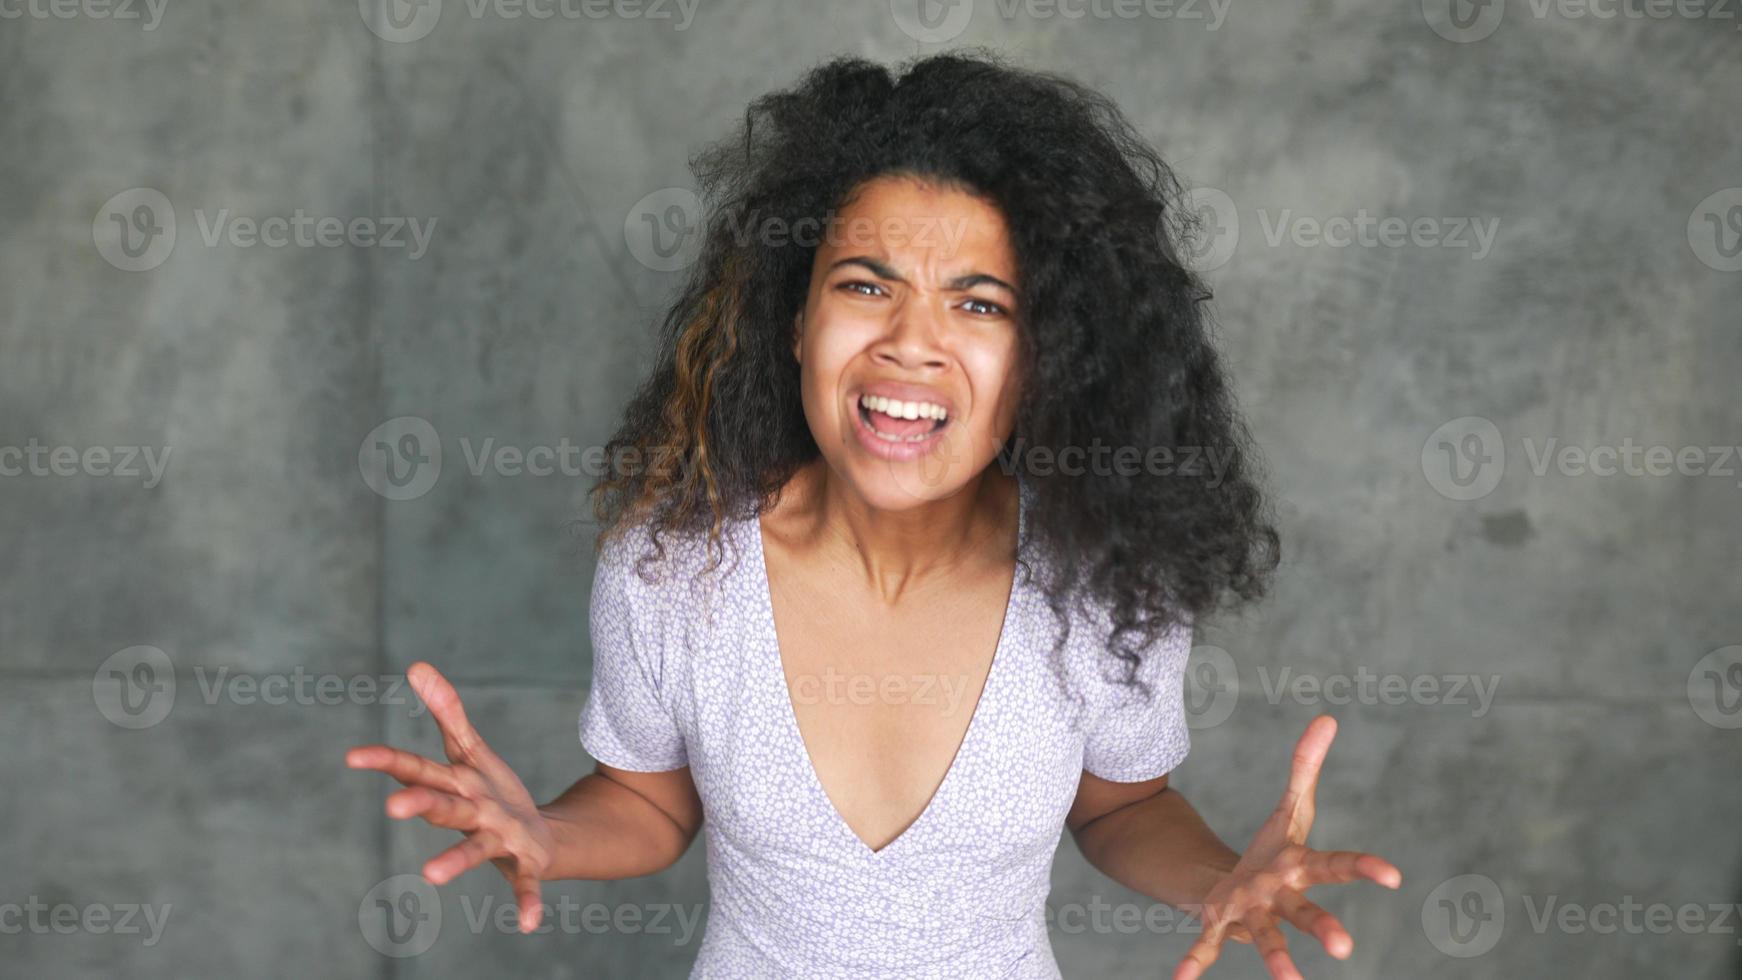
<point x="898" y="421"/>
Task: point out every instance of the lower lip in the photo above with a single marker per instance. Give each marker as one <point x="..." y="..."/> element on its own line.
<point x="898" y="452"/>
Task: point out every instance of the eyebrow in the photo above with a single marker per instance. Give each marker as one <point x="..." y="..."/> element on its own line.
<point x="967" y="281"/>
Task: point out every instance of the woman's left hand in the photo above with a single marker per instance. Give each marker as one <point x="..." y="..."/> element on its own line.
<point x="1266" y="885"/>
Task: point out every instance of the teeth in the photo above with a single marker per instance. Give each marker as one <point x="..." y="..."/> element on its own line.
<point x="889" y="438"/>
<point x="904" y="410"/>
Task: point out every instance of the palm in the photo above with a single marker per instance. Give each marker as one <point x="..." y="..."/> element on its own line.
<point x="1268" y="882"/>
<point x="475" y="793"/>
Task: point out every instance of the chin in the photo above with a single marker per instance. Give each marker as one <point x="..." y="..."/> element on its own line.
<point x="896" y="486"/>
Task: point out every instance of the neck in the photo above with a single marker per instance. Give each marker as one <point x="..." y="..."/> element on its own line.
<point x="900" y="550"/>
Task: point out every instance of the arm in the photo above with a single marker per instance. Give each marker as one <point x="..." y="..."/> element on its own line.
<point x="1147" y="837"/>
<point x="615" y="823"/>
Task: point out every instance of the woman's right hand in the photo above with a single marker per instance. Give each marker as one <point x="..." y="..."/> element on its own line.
<point x="475" y="793"/>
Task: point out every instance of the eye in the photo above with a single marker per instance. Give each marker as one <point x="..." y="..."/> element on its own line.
<point x="985" y="307"/>
<point x="861" y="287"/>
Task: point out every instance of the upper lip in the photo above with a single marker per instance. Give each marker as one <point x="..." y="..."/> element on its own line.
<point x="907" y="393"/>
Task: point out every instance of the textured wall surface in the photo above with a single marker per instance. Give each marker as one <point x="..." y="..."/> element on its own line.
<point x="1531" y="615"/>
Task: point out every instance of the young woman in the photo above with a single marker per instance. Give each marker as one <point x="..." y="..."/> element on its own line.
<point x="942" y="392"/>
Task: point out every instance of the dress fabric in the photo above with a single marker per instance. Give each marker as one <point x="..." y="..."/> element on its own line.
<point x="687" y="672"/>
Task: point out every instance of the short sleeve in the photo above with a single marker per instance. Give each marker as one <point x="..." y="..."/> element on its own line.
<point x="1140" y="736"/>
<point x="624" y="723"/>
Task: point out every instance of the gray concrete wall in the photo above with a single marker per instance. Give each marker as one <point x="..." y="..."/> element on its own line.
<point x="1403" y="389"/>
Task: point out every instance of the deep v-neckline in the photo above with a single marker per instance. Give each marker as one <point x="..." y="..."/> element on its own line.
<point x="771" y="642"/>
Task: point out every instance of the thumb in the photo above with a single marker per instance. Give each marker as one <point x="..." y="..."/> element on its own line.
<point x="1303" y="779"/>
<point x="462" y="741"/>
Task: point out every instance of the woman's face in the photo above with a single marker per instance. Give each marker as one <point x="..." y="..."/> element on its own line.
<point x="911" y="312"/>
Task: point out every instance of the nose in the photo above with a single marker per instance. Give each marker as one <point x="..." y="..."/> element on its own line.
<point x="913" y="340"/>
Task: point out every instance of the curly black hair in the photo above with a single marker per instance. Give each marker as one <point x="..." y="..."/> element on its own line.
<point x="1115" y="347"/>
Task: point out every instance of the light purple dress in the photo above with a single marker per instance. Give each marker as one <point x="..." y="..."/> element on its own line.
<point x="690" y="674"/>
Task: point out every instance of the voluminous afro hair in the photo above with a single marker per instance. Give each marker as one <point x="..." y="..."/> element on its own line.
<point x="1115" y="347"/>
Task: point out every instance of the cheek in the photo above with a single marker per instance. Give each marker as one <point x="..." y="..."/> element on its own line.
<point x="828" y="349"/>
<point x="997" y="386"/>
<point x="834" y="336"/>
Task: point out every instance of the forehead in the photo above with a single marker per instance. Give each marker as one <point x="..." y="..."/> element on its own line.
<point x="922" y="223"/>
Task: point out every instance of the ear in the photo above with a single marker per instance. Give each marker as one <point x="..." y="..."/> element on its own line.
<point x="798" y="334"/>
